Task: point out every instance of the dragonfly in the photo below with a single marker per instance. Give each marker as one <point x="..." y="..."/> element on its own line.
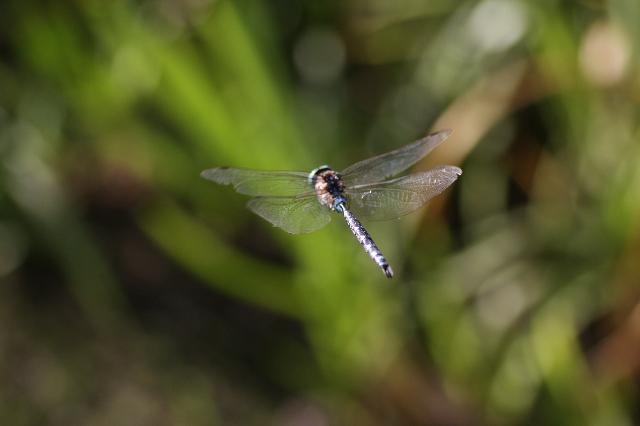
<point x="300" y="202"/>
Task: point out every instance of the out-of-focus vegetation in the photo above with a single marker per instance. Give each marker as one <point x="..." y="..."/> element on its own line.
<point x="134" y="292"/>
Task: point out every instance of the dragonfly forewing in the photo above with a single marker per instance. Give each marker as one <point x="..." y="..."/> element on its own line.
<point x="398" y="197"/>
<point x="260" y="183"/>
<point x="384" y="166"/>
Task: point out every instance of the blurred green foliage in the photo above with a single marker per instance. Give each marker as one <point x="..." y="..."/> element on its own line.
<point x="134" y="292"/>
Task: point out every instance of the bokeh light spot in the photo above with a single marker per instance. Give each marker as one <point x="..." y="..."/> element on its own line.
<point x="319" y="56"/>
<point x="604" y="54"/>
<point x="496" y="25"/>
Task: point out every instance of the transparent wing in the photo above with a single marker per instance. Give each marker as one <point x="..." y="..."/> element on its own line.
<point x="294" y="215"/>
<point x="384" y="166"/>
<point x="260" y="183"/>
<point x="398" y="197"/>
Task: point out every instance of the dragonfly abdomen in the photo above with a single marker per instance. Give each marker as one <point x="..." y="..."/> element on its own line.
<point x="366" y="241"/>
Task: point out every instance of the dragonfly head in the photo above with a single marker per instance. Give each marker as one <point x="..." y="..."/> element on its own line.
<point x="314" y="173"/>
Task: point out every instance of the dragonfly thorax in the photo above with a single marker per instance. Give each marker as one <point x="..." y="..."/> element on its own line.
<point x="328" y="186"/>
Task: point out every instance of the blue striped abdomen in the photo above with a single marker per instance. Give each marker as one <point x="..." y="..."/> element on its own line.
<point x="367" y="242"/>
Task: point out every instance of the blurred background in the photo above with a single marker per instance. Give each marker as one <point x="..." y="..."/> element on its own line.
<point x="134" y="292"/>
